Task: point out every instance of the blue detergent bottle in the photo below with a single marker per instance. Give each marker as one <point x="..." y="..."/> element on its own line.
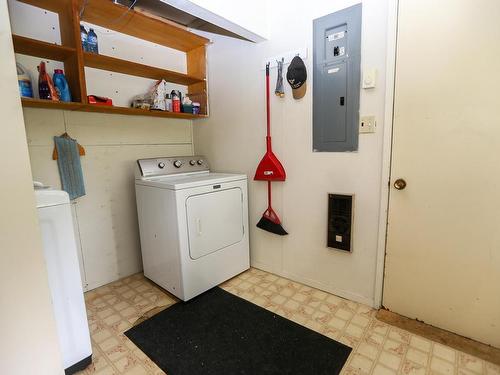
<point x="92" y="42"/>
<point x="61" y="85"/>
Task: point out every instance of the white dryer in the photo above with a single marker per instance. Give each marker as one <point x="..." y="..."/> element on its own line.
<point x="193" y="224"/>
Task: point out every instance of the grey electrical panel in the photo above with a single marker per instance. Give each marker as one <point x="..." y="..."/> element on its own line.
<point x="336" y="80"/>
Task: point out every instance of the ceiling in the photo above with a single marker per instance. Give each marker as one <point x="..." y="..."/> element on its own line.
<point x="162" y="9"/>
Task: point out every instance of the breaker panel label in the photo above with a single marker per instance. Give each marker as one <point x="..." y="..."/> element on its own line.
<point x="336" y="36"/>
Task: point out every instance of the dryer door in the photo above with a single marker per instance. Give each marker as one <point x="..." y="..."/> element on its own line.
<point x="215" y="221"/>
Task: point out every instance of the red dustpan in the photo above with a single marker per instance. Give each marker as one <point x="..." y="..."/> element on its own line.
<point x="269" y="168"/>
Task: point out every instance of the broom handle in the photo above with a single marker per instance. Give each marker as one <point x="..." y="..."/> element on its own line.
<point x="269" y="194"/>
<point x="268" y="138"/>
<point x="268" y="105"/>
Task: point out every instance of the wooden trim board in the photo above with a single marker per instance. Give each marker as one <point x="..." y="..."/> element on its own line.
<point x="461" y="343"/>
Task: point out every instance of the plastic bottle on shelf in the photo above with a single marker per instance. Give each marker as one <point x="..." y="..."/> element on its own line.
<point x="24" y="81"/>
<point x="168" y="103"/>
<point x="92" y="45"/>
<point x="46" y="89"/>
<point x="84" y="38"/>
<point x="61" y="85"/>
<point x="176" y="102"/>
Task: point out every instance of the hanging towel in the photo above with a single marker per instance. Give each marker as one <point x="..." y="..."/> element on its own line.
<point x="70" y="168"/>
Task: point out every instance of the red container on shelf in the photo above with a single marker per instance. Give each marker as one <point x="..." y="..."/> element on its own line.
<point x="99" y="100"/>
<point x="176" y="104"/>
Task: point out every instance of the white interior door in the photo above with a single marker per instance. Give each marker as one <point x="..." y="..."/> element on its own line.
<point x="215" y="221"/>
<point x="443" y="246"/>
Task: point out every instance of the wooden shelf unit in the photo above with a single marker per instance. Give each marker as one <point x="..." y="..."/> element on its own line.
<point x="118" y="18"/>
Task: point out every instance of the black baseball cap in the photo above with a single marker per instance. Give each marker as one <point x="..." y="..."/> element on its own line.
<point x="296" y="76"/>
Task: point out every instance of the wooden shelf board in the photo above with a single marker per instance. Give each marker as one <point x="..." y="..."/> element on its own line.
<point x="49" y="104"/>
<point x="38" y="48"/>
<point x="112" y="64"/>
<point x="116" y="17"/>
<point x="56" y="6"/>
<point x="138" y="112"/>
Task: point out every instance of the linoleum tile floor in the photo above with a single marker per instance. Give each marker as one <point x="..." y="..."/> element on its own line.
<point x="378" y="348"/>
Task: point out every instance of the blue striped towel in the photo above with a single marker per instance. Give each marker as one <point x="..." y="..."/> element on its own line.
<point x="70" y="168"/>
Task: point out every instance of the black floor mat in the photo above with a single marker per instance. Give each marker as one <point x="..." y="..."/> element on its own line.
<point x="218" y="333"/>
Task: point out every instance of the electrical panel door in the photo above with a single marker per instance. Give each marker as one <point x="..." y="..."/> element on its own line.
<point x="336" y="78"/>
<point x="334" y="89"/>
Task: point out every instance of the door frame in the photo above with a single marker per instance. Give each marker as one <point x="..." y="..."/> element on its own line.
<point x="392" y="28"/>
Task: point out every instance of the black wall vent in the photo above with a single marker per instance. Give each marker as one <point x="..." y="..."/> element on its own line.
<point x="339" y="221"/>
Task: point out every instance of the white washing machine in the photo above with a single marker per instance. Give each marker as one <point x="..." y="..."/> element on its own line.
<point x="60" y="251"/>
<point x="193" y="224"/>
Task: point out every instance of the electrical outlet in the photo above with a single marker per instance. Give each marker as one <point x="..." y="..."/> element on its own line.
<point x="367" y="124"/>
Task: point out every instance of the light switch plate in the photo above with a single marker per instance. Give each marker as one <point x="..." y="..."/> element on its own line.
<point x="369" y="78"/>
<point x="367" y="124"/>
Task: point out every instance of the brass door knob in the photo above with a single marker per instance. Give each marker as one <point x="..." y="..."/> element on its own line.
<point x="400" y="184"/>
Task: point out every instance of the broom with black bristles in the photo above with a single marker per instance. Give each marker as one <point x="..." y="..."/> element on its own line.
<point x="270" y="221"/>
<point x="270" y="169"/>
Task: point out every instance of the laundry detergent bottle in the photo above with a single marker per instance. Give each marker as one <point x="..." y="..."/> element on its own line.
<point x="61" y="85"/>
<point x="24" y="81"/>
<point x="45" y="87"/>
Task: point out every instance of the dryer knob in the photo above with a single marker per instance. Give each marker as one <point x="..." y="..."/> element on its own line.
<point x="161" y="165"/>
<point x="192" y="162"/>
<point x="200" y="162"/>
<point x="177" y="164"/>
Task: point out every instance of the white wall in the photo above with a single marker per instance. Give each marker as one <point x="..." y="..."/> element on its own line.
<point x="106" y="217"/>
<point x="29" y="342"/>
<point x="233" y="139"/>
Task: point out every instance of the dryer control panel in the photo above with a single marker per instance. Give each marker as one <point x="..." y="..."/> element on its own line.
<point x="165" y="166"/>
